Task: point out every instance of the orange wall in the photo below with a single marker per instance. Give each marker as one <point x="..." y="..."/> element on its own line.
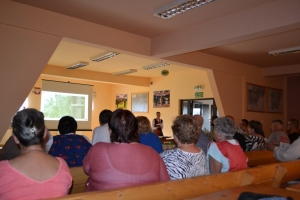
<point x="177" y="83"/>
<point x="228" y="81"/>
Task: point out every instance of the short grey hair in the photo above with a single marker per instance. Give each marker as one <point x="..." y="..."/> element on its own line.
<point x="225" y="126"/>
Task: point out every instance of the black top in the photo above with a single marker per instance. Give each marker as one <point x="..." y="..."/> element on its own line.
<point x="293" y="136"/>
<point x="241" y="139"/>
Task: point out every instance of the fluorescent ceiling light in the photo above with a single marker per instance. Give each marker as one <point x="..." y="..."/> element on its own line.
<point x="285" y="51"/>
<point x="129" y="71"/>
<point x="178" y="7"/>
<point x="77" y="65"/>
<point x="155" y="66"/>
<point x="104" y="56"/>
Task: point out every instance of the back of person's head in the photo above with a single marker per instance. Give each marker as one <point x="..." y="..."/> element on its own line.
<point x="104" y="116"/>
<point x="144" y="125"/>
<point x="199" y="119"/>
<point x="225" y="126"/>
<point x="67" y="124"/>
<point x="123" y="126"/>
<point x="257" y="126"/>
<point x="212" y="119"/>
<point x="277" y="121"/>
<point x="186" y="129"/>
<point x="231" y="117"/>
<point x="245" y="122"/>
<point x="29" y="127"/>
<point x="295" y="123"/>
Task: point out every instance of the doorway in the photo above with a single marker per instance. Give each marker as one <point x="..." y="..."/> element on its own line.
<point x="204" y="107"/>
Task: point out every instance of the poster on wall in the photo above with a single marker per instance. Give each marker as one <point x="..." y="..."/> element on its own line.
<point x="161" y="99"/>
<point x="121" y="101"/>
<point x="139" y="102"/>
<point x="255" y="98"/>
<point x="275" y="100"/>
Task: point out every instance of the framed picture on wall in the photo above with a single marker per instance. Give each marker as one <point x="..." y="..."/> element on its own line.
<point x="274" y="100"/>
<point x="161" y="99"/>
<point x="139" y="102"/>
<point x="256" y="96"/>
<point x="121" y="101"/>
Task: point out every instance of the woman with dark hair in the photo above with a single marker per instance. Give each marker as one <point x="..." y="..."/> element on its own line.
<point x="147" y="137"/>
<point x="225" y="154"/>
<point x="68" y="145"/>
<point x="255" y="139"/>
<point x="187" y="160"/>
<point x="124" y="162"/>
<point x="34" y="174"/>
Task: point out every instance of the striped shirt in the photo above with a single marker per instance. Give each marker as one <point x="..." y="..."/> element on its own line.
<point x="181" y="164"/>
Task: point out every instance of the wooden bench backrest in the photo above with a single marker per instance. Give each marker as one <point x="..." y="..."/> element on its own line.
<point x="79" y="180"/>
<point x="263" y="157"/>
<point x="272" y="175"/>
<point x="179" y="189"/>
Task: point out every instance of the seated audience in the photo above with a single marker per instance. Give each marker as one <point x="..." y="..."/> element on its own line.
<point x="225" y="154"/>
<point x="68" y="145"/>
<point x="203" y="140"/>
<point x="238" y="136"/>
<point x="286" y="152"/>
<point x="101" y="133"/>
<point x="186" y="160"/>
<point x="147" y="137"/>
<point x="293" y="130"/>
<point x="34" y="174"/>
<point x="212" y="122"/>
<point x="243" y="127"/>
<point x="277" y="135"/>
<point x="124" y="162"/>
<point x="11" y="150"/>
<point x="255" y="140"/>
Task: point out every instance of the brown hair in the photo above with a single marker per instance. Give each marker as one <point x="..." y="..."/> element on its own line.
<point x="186" y="129"/>
<point x="144" y="125"/>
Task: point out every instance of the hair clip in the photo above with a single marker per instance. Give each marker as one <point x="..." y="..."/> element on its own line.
<point x="33" y="130"/>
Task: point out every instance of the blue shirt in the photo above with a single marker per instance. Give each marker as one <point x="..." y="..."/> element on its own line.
<point x="152" y="140"/>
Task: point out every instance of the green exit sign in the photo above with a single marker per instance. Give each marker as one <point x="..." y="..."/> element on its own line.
<point x="198" y="94"/>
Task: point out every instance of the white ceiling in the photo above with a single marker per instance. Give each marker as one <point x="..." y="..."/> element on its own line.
<point x="136" y="16"/>
<point x="68" y="53"/>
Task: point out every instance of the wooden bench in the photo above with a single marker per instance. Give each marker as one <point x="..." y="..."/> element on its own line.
<point x="270" y="175"/>
<point x="262" y="157"/>
<point x="79" y="180"/>
<point x="255" y="158"/>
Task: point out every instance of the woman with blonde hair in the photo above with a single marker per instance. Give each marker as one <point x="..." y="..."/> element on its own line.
<point x="147" y="137"/>
<point x="187" y="160"/>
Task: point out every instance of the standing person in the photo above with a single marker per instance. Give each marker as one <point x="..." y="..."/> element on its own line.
<point x="146" y="136"/>
<point x="34" y="174"/>
<point x="101" y="133"/>
<point x="124" y="162"/>
<point x="277" y="135"/>
<point x="203" y="140"/>
<point x="158" y="124"/>
<point x="293" y="130"/>
<point x="225" y="154"/>
<point x="187" y="160"/>
<point x="68" y="145"/>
